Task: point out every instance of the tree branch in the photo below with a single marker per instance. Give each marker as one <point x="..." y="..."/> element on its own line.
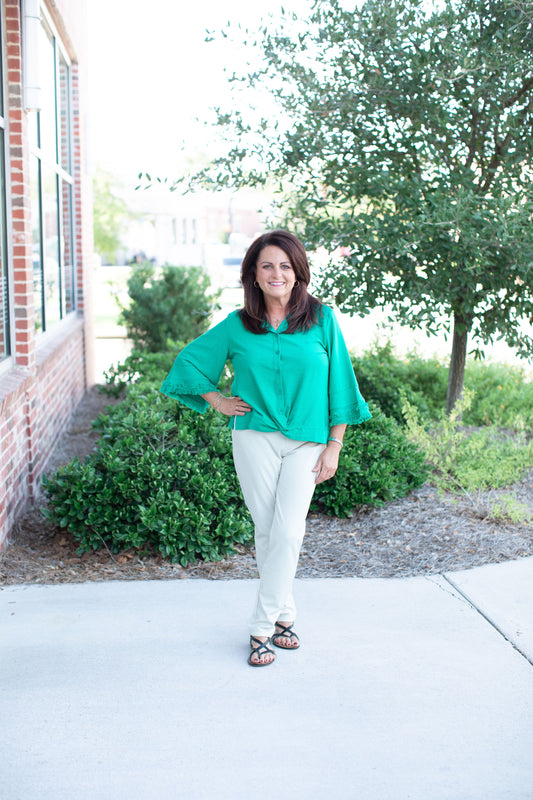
<point x="473" y="139"/>
<point x="500" y="148"/>
<point x="526" y="86"/>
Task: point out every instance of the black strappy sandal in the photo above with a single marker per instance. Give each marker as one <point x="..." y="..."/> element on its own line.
<point x="286" y="633"/>
<point x="262" y="650"/>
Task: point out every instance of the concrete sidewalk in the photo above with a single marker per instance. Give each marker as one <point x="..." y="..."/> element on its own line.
<point x="413" y="689"/>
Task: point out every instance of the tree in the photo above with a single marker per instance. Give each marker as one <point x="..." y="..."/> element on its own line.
<point x="406" y="136"/>
<point x="110" y="215"/>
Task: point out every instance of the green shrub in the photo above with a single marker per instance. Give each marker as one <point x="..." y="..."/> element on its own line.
<point x="427" y="378"/>
<point x="385" y="379"/>
<point x="466" y="460"/>
<point x="171" y="304"/>
<point x="377" y="464"/>
<point x="510" y="509"/>
<point x="502" y="396"/>
<point x="162" y="480"/>
<point x="140" y="367"/>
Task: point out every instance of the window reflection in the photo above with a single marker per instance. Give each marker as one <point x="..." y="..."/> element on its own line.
<point x="33" y="133"/>
<point x="52" y="288"/>
<point x="47" y="114"/>
<point x="67" y="260"/>
<point x="35" y="195"/>
<point x="64" y="113"/>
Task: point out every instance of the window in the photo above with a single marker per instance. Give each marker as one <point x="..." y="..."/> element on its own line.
<point x="5" y="311"/>
<point x="51" y="186"/>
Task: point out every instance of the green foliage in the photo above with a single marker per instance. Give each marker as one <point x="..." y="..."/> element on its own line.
<point x="377" y="464"/>
<point x="500" y="394"/>
<point x="407" y="148"/>
<point x="150" y="369"/>
<point x="169" y="305"/>
<point x="508" y="507"/>
<point x="110" y="215"/>
<point x="162" y="479"/>
<point x="465" y="460"/>
<point x="141" y="366"/>
<point x="386" y="379"/>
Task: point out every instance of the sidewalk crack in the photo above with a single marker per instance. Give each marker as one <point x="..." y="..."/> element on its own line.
<point x="469" y="601"/>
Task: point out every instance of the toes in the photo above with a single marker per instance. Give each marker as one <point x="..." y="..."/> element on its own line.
<point x="263" y="658"/>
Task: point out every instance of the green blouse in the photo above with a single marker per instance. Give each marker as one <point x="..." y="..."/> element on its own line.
<point x="299" y="384"/>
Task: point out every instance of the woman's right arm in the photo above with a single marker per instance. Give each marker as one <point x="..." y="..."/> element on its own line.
<point x="198" y="367"/>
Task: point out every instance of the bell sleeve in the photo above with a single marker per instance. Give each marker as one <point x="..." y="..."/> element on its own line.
<point x="198" y="368"/>
<point x="346" y="404"/>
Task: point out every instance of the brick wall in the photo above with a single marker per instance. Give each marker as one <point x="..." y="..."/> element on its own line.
<point x="46" y="376"/>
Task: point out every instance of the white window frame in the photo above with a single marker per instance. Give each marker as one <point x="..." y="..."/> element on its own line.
<point x="61" y="174"/>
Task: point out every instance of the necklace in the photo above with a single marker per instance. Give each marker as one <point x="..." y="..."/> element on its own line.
<point x="275" y="322"/>
<point x="274" y="319"/>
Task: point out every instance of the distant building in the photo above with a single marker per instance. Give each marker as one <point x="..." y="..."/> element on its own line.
<point x="208" y="229"/>
<point x="45" y="239"/>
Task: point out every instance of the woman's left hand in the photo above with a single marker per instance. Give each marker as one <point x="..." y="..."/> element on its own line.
<point x="327" y="464"/>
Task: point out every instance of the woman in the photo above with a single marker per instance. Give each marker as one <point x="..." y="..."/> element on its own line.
<point x="295" y="392"/>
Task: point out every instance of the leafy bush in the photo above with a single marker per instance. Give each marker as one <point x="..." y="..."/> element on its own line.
<point x="171" y="305"/>
<point x="140" y="366"/>
<point x="162" y="479"/>
<point x="500" y="395"/>
<point x="377" y="464"/>
<point x="151" y="369"/>
<point x="466" y="460"/>
<point x="509" y="508"/>
<point x="385" y="379"/>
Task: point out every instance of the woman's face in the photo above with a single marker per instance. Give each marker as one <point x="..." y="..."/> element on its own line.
<point x="274" y="274"/>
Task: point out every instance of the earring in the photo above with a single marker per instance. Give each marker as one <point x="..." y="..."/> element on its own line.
<point x="256" y="285"/>
<point x="296" y="283"/>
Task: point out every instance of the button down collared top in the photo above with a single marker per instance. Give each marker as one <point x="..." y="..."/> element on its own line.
<point x="299" y="384"/>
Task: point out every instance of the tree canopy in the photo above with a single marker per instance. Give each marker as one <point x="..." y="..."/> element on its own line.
<point x="403" y="143"/>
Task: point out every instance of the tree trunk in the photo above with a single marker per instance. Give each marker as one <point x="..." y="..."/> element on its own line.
<point x="456" y="375"/>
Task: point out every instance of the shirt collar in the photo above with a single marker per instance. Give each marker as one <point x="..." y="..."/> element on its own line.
<point x="283" y="327"/>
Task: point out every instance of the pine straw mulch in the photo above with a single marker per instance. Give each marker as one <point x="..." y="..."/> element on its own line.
<point x="421" y="534"/>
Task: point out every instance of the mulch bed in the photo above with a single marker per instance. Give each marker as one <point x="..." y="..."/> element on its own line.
<point x="421" y="534"/>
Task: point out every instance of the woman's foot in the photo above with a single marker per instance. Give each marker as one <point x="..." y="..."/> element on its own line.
<point x="262" y="655"/>
<point x="285" y="636"/>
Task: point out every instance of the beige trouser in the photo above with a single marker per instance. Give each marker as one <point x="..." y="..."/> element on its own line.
<point x="277" y="482"/>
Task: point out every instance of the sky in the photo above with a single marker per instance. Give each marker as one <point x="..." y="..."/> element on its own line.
<point x="152" y="75"/>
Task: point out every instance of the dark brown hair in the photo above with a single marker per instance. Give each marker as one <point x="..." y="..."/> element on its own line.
<point x="303" y="307"/>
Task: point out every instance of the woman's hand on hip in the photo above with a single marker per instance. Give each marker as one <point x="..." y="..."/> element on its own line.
<point x="234" y="407"/>
<point x="327" y="464"/>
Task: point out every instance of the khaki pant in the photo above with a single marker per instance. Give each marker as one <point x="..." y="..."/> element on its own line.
<point x="277" y="482"/>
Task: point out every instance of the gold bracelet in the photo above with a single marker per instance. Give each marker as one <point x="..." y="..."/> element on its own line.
<point x="218" y="402"/>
